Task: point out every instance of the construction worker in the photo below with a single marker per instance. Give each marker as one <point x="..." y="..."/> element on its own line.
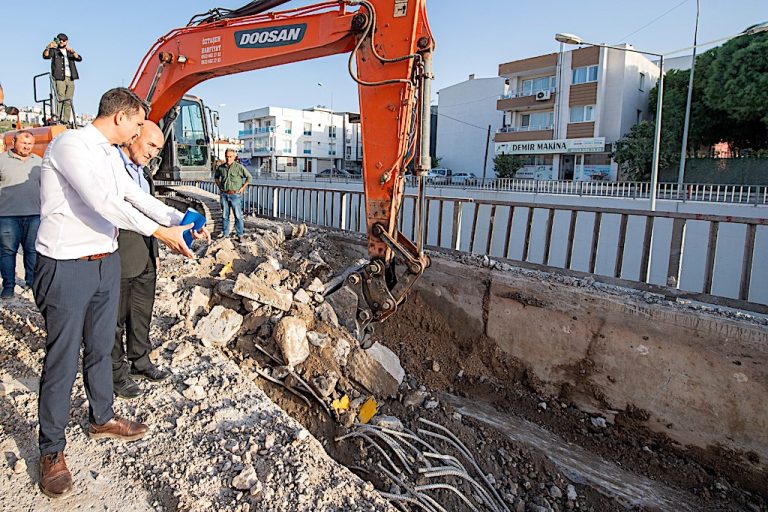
<point x="64" y="73"/>
<point x="232" y="178"/>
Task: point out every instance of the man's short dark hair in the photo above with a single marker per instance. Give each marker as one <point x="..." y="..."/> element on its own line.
<point x="230" y="151"/>
<point x="23" y="132"/>
<point x="121" y="99"/>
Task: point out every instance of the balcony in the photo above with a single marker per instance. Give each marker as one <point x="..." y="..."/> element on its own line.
<point x="263" y="149"/>
<point x="525" y="100"/>
<point x="307" y="151"/>
<point x="260" y="130"/>
<point x="518" y="133"/>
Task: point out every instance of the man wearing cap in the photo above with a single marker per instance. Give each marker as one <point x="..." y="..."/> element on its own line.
<point x="64" y="73"/>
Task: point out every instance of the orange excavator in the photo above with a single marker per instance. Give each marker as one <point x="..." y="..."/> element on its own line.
<point x="390" y="48"/>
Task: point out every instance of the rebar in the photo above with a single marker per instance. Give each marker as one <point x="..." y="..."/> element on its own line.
<point x="471" y="458"/>
<point x="448" y="458"/>
<point x="271" y="379"/>
<point x="378" y="448"/>
<point x="394" y="446"/>
<point x="405" y="485"/>
<point x="453" y="441"/>
<point x="407" y="499"/>
<point x="451" y="471"/>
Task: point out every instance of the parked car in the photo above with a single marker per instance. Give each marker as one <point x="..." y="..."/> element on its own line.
<point x="464" y="178"/>
<point x="333" y="173"/>
<point x="438" y="176"/>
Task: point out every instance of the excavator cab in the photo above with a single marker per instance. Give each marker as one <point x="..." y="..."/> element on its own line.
<point x="187" y="151"/>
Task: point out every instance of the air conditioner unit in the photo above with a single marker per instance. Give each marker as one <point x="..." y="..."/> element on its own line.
<point x="543" y="95"/>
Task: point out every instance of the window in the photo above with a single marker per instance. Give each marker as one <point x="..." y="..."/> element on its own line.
<point x="288" y="127"/>
<point x="639" y="116"/>
<point x="191" y="140"/>
<point x="307" y="147"/>
<point x="307" y="128"/>
<point x="332" y="148"/>
<point x="585" y="74"/>
<point x="349" y="152"/>
<point x="534" y="85"/>
<point x="642" y="82"/>
<point x="287" y="146"/>
<point x="332" y="132"/>
<point x="582" y="114"/>
<point x="538" y="120"/>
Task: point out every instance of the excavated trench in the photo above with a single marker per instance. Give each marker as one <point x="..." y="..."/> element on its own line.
<point x="566" y="393"/>
<point x="544" y="382"/>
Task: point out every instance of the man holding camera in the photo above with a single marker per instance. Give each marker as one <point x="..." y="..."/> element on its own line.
<point x="64" y="73"/>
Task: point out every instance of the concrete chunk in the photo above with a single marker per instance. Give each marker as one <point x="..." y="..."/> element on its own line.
<point x="259" y="291"/>
<point x="198" y="302"/>
<point x="219" y="326"/>
<point x="378" y="369"/>
<point x="291" y="336"/>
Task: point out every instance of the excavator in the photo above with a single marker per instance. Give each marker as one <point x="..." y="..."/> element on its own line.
<point x="390" y="47"/>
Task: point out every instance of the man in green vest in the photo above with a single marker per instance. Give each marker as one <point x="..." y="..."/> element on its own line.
<point x="232" y="178"/>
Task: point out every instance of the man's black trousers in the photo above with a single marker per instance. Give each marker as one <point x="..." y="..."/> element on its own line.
<point x="137" y="298"/>
<point x="78" y="300"/>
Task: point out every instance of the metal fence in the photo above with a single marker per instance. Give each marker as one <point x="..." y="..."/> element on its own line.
<point x="701" y="257"/>
<point x="715" y="193"/>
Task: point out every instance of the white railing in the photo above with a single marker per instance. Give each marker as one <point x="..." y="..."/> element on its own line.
<point x="722" y="193"/>
<point x="520" y="93"/>
<point x="532" y="128"/>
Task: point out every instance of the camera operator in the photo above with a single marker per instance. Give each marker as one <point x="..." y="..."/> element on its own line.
<point x="64" y="73"/>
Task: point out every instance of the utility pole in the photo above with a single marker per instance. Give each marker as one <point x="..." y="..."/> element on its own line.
<point x="684" y="147"/>
<point x="485" y="161"/>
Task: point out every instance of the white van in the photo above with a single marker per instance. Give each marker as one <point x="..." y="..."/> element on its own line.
<point x="438" y="176"/>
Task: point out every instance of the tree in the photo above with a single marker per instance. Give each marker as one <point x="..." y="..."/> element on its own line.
<point x="634" y="152"/>
<point x="506" y="166"/>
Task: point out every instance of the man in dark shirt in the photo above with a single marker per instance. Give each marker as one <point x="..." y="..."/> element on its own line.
<point x="64" y="73"/>
<point x="139" y="262"/>
<point x="232" y="178"/>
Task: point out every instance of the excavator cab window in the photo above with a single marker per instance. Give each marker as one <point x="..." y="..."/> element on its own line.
<point x="191" y="143"/>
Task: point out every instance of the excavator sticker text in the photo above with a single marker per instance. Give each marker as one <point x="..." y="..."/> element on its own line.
<point x="270" y="37"/>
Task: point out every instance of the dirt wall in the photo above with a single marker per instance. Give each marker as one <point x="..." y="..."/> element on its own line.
<point x="699" y="378"/>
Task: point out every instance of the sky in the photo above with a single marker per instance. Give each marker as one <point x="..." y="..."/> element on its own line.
<point x="472" y="38"/>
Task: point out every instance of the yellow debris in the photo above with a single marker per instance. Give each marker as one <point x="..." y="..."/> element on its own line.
<point x="227" y="268"/>
<point x="341" y="404"/>
<point x="368" y="410"/>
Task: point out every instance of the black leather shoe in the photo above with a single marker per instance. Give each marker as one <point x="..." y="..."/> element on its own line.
<point x="127" y="389"/>
<point x="152" y="374"/>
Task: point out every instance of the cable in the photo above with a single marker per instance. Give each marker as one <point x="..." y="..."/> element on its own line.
<point x="622" y="39"/>
<point x="463" y="122"/>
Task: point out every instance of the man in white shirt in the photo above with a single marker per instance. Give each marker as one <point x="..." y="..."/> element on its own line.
<point x="86" y="195"/>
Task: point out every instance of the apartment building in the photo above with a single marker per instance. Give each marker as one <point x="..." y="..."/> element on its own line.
<point x="563" y="111"/>
<point x="286" y="140"/>
<point x="465" y="112"/>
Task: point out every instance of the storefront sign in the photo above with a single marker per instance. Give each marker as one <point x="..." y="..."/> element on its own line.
<point x="538" y="147"/>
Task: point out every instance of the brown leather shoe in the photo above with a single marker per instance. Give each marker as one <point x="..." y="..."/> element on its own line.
<point x="55" y="479"/>
<point x="118" y="428"/>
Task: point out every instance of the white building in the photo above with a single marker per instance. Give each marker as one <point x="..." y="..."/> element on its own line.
<point x="563" y="112"/>
<point x="465" y="111"/>
<point x="286" y="140"/>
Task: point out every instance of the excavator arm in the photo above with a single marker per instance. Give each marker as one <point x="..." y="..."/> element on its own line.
<point x="390" y="47"/>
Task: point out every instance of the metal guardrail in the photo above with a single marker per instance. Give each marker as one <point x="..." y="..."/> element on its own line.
<point x="714" y="193"/>
<point x="639" y="249"/>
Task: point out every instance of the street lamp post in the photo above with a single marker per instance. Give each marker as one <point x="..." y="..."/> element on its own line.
<point x="573" y="39"/>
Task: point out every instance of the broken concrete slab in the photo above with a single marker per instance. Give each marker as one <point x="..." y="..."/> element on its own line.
<point x="302" y="296"/>
<point x="198" y="302"/>
<point x="326" y="314"/>
<point x="219" y="326"/>
<point x="257" y="290"/>
<point x="253" y="321"/>
<point x="291" y="336"/>
<point x="377" y="368"/>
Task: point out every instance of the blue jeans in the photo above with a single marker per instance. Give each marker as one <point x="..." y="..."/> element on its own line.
<point x="234" y="201"/>
<point x="17" y="231"/>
